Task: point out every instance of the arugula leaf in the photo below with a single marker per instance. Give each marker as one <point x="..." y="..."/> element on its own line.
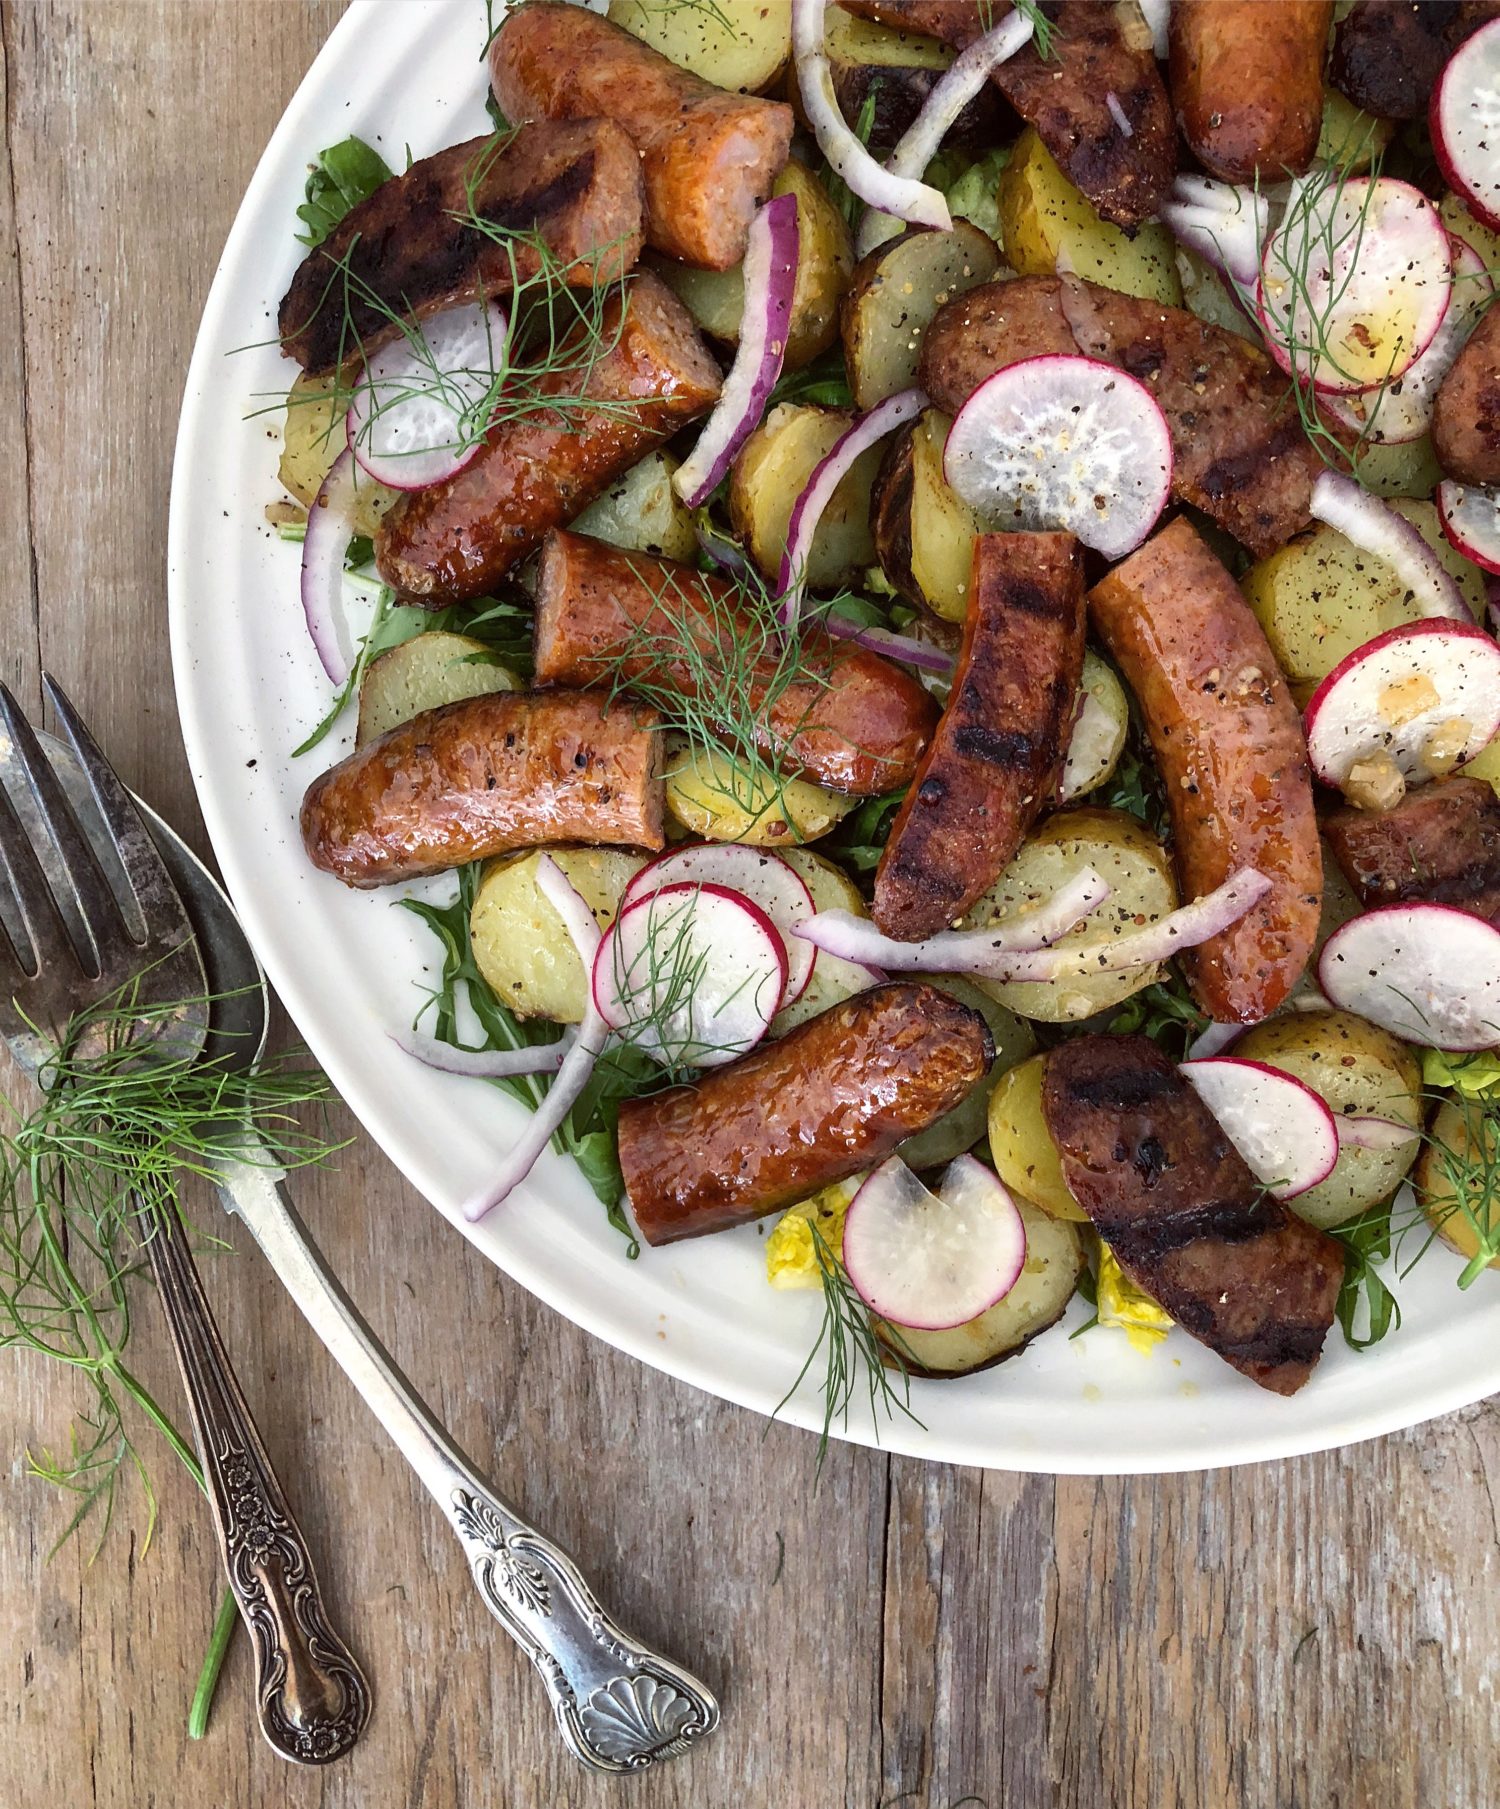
<point x="1164" y="1011"/>
<point x="825" y="382"/>
<point x="344" y="175"/>
<point x="859" y="841"/>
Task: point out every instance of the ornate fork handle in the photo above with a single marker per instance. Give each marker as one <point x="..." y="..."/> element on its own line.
<point x="311" y="1696"/>
<point x="620" y="1706"/>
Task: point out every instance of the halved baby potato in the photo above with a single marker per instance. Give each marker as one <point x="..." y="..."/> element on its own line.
<point x="422" y="674"/>
<point x="739" y="44"/>
<point x="1026" y="1158"/>
<point x="641" y="512"/>
<point x="1461" y="1148"/>
<point x="712" y="796"/>
<point x="924" y="531"/>
<point x="832" y="980"/>
<point x="313" y="436"/>
<point x="1098" y="737"/>
<point x="771" y="472"/>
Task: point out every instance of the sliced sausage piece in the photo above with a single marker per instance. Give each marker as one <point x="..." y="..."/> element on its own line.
<point x="1125" y="170"/>
<point x="1187" y="1221"/>
<point x="416" y="244"/>
<point x="708" y="157"/>
<point x="995" y="757"/>
<point x="1240" y="453"/>
<point x="1388" y="54"/>
<point x="456" y="540"/>
<point x="1440" y="843"/>
<point x="1229" y="745"/>
<point x="1466" y="416"/>
<point x="843" y="717"/>
<point x="833" y="1096"/>
<point x="1247" y="81"/>
<point x="514" y="769"/>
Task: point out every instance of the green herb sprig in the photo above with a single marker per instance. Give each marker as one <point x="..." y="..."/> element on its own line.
<point x="344" y="175"/>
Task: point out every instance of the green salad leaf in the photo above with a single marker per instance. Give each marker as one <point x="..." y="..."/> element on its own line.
<point x="344" y="175"/>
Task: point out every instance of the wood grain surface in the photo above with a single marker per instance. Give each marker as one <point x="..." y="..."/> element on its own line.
<point x="1322" y="1633"/>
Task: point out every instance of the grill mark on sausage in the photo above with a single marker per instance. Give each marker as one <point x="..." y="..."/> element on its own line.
<point x="1441" y="843"/>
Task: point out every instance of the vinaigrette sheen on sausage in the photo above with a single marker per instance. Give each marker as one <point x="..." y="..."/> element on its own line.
<point x="1247" y="83"/>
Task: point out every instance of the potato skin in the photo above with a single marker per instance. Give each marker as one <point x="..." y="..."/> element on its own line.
<point x="769" y="474"/>
<point x="1247" y="81"/>
<point x="1026" y="1158"/>
<point x="895" y="70"/>
<point x="1469" y="1132"/>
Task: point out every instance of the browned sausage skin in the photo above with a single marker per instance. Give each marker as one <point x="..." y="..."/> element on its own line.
<point x="1247" y="82"/>
<point x="472" y="779"/>
<point x="1440" y="843"/>
<point x="708" y="157"/>
<point x="1388" y="54"/>
<point x="414" y="247"/>
<point x="1466" y="416"/>
<point x="1229" y="745"/>
<point x="832" y="1097"/>
<point x="456" y="539"/>
<point x="994" y="760"/>
<point x="1185" y="1218"/>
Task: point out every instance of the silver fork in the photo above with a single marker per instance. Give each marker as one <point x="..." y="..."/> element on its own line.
<point x="73" y="936"/>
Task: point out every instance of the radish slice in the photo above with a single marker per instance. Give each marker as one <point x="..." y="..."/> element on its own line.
<point x="1063" y="442"/>
<point x="1285" y="1133"/>
<point x="419" y="415"/>
<point x="1363" y="1131"/>
<point x="1471" y="519"/>
<point x="692" y="974"/>
<point x="1402" y="409"/>
<point x="754" y="873"/>
<point x="869" y="430"/>
<point x="770" y="270"/>
<point x="485" y="1064"/>
<point x="933" y="1260"/>
<point x="330" y="528"/>
<point x="1223" y="223"/>
<point x="1354" y="282"/>
<point x="1464" y="115"/>
<point x="901" y="196"/>
<point x="1213" y="1040"/>
<point x="1424" y="972"/>
<point x="1376" y="528"/>
<point x="1425" y="696"/>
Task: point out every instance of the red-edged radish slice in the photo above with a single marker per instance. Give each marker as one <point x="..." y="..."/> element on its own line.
<point x="1222" y="222"/>
<point x="1354" y="281"/>
<point x="755" y="873"/>
<point x="692" y="974"/>
<point x="1425" y="696"/>
<point x="1285" y="1133"/>
<point x="1471" y="520"/>
<point x="770" y="271"/>
<point x="869" y="430"/>
<point x="1063" y="442"/>
<point x="330" y="527"/>
<point x="1464" y="115"/>
<point x="1402" y="409"/>
<point x="485" y="1064"/>
<point x="420" y="413"/>
<point x="1360" y="1130"/>
<point x="1424" y="972"/>
<point x="1212" y="1040"/>
<point x="933" y="1260"/>
<point x="1376" y="528"/>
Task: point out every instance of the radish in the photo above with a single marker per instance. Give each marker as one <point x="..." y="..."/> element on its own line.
<point x="933" y="1260"/>
<point x="1425" y="972"/>
<point x="1359" y="1130"/>
<point x="1063" y="442"/>
<point x="1354" y="282"/>
<point x="1471" y="520"/>
<point x="330" y="527"/>
<point x="692" y="974"/>
<point x="1464" y="116"/>
<point x="1284" y="1131"/>
<point x="1375" y="527"/>
<point x="420" y="413"/>
<point x="754" y="873"/>
<point x="1425" y="696"/>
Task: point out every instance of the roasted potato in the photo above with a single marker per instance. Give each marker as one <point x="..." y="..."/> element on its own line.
<point x="1208" y="295"/>
<point x="1047" y="226"/>
<point x="1142" y="890"/>
<point x="895" y="292"/>
<point x="1021" y="1147"/>
<point x="924" y="532"/>
<point x="1098" y="737"/>
<point x="520" y="943"/>
<point x="1349" y="137"/>
<point x="1356" y="1069"/>
<point x="712" y="797"/>
<point x="1452" y="1177"/>
<point x="771" y="472"/>
<point x="825" y="266"/>
<point x="420" y="674"/>
<point x="964" y="1126"/>
<point x="738" y="44"/>
<point x="642" y="512"/>
<point x="1054" y="1261"/>
<point x="312" y="438"/>
<point x="832" y="980"/>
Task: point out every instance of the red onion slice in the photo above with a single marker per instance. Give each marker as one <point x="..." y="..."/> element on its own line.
<point x="1375" y="528"/>
<point x="1364" y="1131"/>
<point x="1222" y="222"/>
<point x="330" y="527"/>
<point x="770" y="271"/>
<point x="910" y="652"/>
<point x="484" y="1064"/>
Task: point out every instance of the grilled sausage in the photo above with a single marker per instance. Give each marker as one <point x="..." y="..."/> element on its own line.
<point x="1247" y="82"/>
<point x="1440" y="843"/>
<point x="995" y="757"/>
<point x="833" y="1096"/>
<point x="1388" y="54"/>
<point x="1187" y="1221"/>
<point x="416" y="244"/>
<point x="708" y="157"/>
<point x="457" y="539"/>
<point x="509" y="770"/>
<point x="1239" y="450"/>
<point x="1466" y="415"/>
<point x="846" y="718"/>
<point x="1125" y="170"/>
<point x="1229" y="745"/>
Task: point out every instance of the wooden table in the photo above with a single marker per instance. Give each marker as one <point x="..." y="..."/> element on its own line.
<point x="1324" y="1632"/>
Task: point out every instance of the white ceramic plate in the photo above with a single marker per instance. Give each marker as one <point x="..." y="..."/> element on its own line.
<point x="350" y="967"/>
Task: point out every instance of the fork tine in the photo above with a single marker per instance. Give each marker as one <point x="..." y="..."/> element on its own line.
<point x="161" y="910"/>
<point x="35" y="907"/>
